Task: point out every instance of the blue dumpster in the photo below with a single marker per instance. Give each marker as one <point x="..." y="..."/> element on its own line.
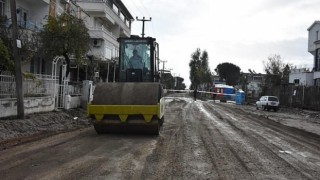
<point x="240" y="97"/>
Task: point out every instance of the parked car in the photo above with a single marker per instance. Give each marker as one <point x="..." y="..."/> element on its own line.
<point x="268" y="102"/>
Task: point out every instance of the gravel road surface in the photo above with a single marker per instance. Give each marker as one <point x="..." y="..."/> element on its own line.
<point x="199" y="140"/>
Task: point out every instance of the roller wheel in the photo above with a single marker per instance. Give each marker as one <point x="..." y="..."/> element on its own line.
<point x="99" y="129"/>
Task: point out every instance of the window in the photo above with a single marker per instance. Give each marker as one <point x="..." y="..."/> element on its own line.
<point x="135" y="55"/>
<point x="115" y="8"/>
<point x="116" y="52"/>
<point x="273" y="99"/>
<point x="296" y="81"/>
<point x="2" y="5"/>
<point x="22" y="17"/>
<point x="108" y="53"/>
<point x="122" y="17"/>
<point x="317" y="35"/>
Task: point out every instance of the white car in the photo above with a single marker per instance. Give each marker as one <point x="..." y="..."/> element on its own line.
<point x="268" y="102"/>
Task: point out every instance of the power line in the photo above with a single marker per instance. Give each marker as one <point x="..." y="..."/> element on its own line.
<point x="136" y="7"/>
<point x="148" y="13"/>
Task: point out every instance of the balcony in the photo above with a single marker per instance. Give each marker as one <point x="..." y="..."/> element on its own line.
<point x="101" y="8"/>
<point x="33" y="2"/>
<point x="102" y="33"/>
<point x="32" y="26"/>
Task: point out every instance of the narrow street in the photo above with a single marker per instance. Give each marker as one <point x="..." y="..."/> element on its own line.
<point x="199" y="140"/>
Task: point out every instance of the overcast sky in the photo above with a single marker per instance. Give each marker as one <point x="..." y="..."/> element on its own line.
<point x="242" y="32"/>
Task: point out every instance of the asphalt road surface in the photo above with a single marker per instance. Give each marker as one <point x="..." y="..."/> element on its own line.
<point x="199" y="140"/>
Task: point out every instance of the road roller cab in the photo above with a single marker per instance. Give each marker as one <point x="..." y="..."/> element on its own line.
<point x="138" y="60"/>
<point x="134" y="103"/>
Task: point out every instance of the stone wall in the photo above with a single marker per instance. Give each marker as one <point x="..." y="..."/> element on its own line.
<point x="8" y="107"/>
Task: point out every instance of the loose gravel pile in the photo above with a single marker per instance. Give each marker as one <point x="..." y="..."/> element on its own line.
<point x="35" y="126"/>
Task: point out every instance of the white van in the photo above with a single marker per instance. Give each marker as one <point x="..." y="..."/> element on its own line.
<point x="268" y="102"/>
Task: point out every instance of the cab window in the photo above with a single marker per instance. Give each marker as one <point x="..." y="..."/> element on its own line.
<point x="135" y="55"/>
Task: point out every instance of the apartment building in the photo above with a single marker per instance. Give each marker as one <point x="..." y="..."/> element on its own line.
<point x="314" y="49"/>
<point x="107" y="20"/>
<point x="31" y="16"/>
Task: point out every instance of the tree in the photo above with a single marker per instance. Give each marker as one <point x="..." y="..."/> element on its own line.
<point x="6" y="54"/>
<point x="277" y="71"/>
<point x="5" y="59"/>
<point x="65" y="35"/>
<point x="229" y="72"/>
<point x="243" y="80"/>
<point x="29" y="44"/>
<point x="199" y="69"/>
<point x="205" y="74"/>
<point x="285" y="75"/>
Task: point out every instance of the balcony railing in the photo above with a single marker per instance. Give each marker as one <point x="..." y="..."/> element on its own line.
<point x="111" y="13"/>
<point x="26" y="25"/>
<point x="104" y="30"/>
<point x="103" y="33"/>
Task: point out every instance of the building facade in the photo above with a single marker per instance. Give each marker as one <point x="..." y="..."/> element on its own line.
<point x="31" y="16"/>
<point x="106" y="20"/>
<point x="314" y="49"/>
<point x="254" y="84"/>
<point x="301" y="77"/>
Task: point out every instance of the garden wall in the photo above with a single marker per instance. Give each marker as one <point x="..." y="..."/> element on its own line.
<point x="8" y="107"/>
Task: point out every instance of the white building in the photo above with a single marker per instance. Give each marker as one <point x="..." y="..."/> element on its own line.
<point x="314" y="49"/>
<point x="31" y="16"/>
<point x="301" y="77"/>
<point x="107" y="20"/>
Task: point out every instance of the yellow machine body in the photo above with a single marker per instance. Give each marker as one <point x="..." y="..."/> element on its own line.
<point x="140" y="112"/>
<point x="134" y="103"/>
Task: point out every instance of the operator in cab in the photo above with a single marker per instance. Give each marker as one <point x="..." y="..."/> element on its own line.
<point x="135" y="61"/>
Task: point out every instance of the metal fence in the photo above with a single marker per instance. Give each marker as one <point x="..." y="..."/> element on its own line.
<point x="34" y="86"/>
<point x="301" y="96"/>
<point x="297" y="96"/>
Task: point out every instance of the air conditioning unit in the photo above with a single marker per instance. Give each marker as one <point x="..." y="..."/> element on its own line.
<point x="97" y="42"/>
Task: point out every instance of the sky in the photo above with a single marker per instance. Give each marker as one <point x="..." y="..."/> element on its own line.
<point x="244" y="33"/>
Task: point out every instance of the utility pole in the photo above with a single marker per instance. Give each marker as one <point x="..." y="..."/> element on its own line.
<point x="18" y="74"/>
<point x="52" y="8"/>
<point x="143" y="20"/>
<point x="163" y="63"/>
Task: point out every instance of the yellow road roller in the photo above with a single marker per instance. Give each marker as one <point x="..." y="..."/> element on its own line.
<point x="133" y="104"/>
